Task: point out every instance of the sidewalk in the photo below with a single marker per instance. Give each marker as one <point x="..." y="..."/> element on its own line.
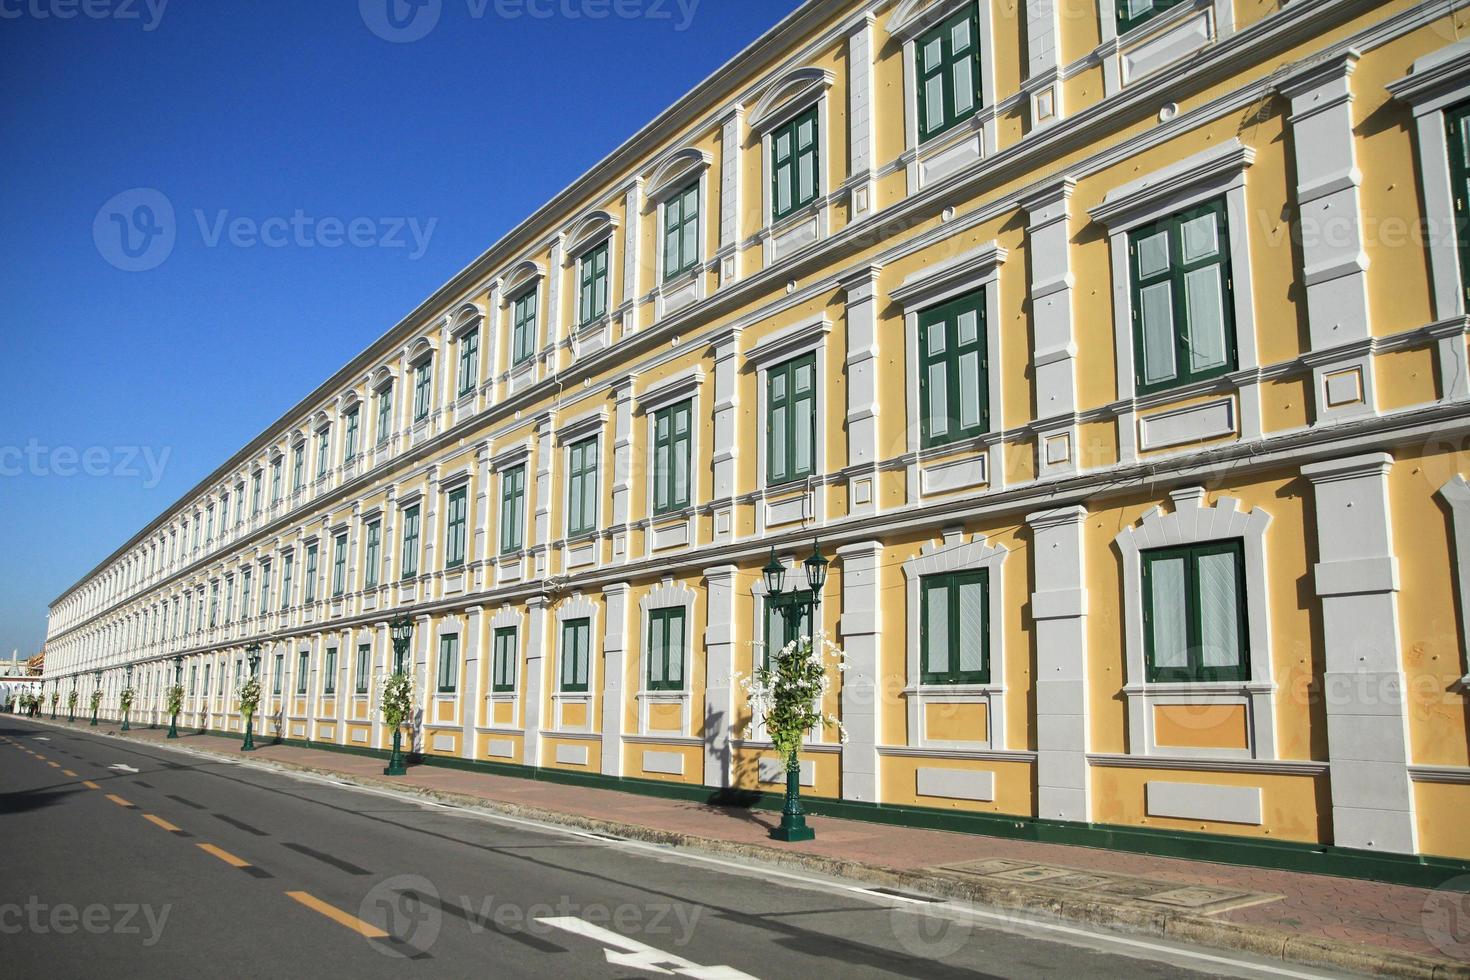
<point x="1338" y="923"/>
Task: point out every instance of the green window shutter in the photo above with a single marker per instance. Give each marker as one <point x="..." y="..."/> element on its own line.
<point x="576" y="639"/>
<point x="666" y="649"/>
<point x="339" y="565"/>
<point x="947" y="63"/>
<point x="311" y="573"/>
<point x="592" y="303"/>
<point x="422" y="382"/>
<point x="681" y="231"/>
<point x="298" y="467"/>
<point x="673" y="443"/>
<point x="512" y="508"/>
<point x="504" y="665"/>
<point x="954" y="370"/>
<point x="372" y="561"/>
<point x="275" y="684"/>
<point x="385" y="413"/>
<point x="795" y="164"/>
<point x="469" y="361"/>
<point x="349" y="446"/>
<point x="448" y="664"/>
<point x="954" y="628"/>
<point x="303" y="667"/>
<point x="364" y="667"/>
<point x="1132" y="13"/>
<point x="454" y="529"/>
<point x="410" y="558"/>
<point x="1457" y="138"/>
<point x="1183" y="325"/>
<point x="329" y="671"/>
<point x="1194" y="612"/>
<point x="582" y="487"/>
<point x="791" y="422"/>
<point x="287" y="571"/>
<point x="523" y="332"/>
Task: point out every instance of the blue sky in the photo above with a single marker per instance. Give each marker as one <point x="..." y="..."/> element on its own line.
<point x="323" y="181"/>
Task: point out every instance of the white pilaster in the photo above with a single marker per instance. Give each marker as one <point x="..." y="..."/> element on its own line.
<point x="719" y="675"/>
<point x="469" y="695"/>
<point x="614" y="655"/>
<point x="632" y="225"/>
<point x="862" y="128"/>
<point x="1059" y="609"/>
<point x="862" y="390"/>
<point x="1054" y="350"/>
<point x="535" y="679"/>
<point x="861" y="687"/>
<point x="732" y="130"/>
<point x="622" y="482"/>
<point x="726" y="450"/>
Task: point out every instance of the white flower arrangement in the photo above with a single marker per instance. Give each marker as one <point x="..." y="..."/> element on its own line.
<point x="247" y="696"/>
<point x="96" y="698"/>
<point x="174" y="697"/>
<point x="395" y="698"/>
<point x="125" y="698"/>
<point x="787" y="693"/>
<point x="71" y="700"/>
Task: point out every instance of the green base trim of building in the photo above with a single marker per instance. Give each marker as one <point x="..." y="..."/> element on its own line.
<point x="1325" y="859"/>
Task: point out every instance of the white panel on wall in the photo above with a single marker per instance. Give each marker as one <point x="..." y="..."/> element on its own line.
<point x="773" y="770"/>
<point x="572" y="755"/>
<point x="1202" y="801"/>
<point x="956" y="784"/>
<point x="668" y="763"/>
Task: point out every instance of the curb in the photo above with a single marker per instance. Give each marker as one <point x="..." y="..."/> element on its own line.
<point x="1168" y="924"/>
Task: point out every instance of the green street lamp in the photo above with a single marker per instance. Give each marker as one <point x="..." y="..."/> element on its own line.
<point x="71" y="701"/>
<point x="252" y="653"/>
<point x="401" y="631"/>
<point x="793" y="826"/>
<point x="173" y="717"/>
<point x="127" y="685"/>
<point x="55" y="696"/>
<point x="96" y="687"/>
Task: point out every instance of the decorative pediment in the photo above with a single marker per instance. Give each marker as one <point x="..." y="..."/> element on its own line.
<point x="521" y="278"/>
<point x="590" y="229"/>
<point x="468" y="317"/>
<point x="788" y="95"/>
<point x="677" y="170"/>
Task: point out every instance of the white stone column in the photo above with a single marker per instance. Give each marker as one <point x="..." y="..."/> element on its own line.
<point x="862" y="689"/>
<point x="732" y="132"/>
<point x="480" y="557"/>
<point x="540" y="542"/>
<point x="861" y="122"/>
<point x="1357" y="580"/>
<point x="862" y="390"/>
<point x="1054" y="351"/>
<point x="1335" y="262"/>
<point x="622" y="481"/>
<point x="1059" y="609"/>
<point x="469" y="688"/>
<point x="553" y="304"/>
<point x="726" y="450"/>
<point x="535" y="679"/>
<point x="423" y="641"/>
<point x="719" y="675"/>
<point x="632" y="226"/>
<point x="614" y="688"/>
<point x="429" y="532"/>
<point x="382" y="666"/>
<point x="1043" y="74"/>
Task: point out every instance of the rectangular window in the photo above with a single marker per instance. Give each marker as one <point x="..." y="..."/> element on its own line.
<point x="953" y="371"/>
<point x="364" y="667"/>
<point x="1182" y="323"/>
<point x="954" y="633"/>
<point x="592" y="304"/>
<point x="791" y="420"/>
<point x="422" y="376"/>
<point x="503" y="664"/>
<point x="254" y="495"/>
<point x="298" y="467"/>
<point x="310" y="573"/>
<point x="349" y="445"/>
<point x="280" y="669"/>
<point x="303" y="667"/>
<point x="1194" y="612"/>
<point x="265" y="587"/>
<point x="788" y="619"/>
<point x="1131" y="13"/>
<point x="198" y="524"/>
<point x="339" y="565"/>
<point x="329" y="672"/>
<point x="205" y="689"/>
<point x="224" y="512"/>
<point x="454" y="528"/>
<point x="373" y="561"/>
<point x="193" y="679"/>
<point x="410" y="557"/>
<point x="209" y="524"/>
<point x="229" y="599"/>
<point x="576" y="649"/>
<point x="469" y="361"/>
<point x="240" y="507"/>
<point x="795" y="158"/>
<point x="288" y="566"/>
<point x="213" y="603"/>
<point x="523" y="328"/>
<point x="672" y="456"/>
<point x="323" y="452"/>
<point x="245" y="593"/>
<point x="1457" y="138"/>
<point x="681" y="231"/>
<point x="512" y="509"/>
<point x="276" y="480"/>
<point x="666" y="649"/>
<point x="947" y="61"/>
<point x="448" y="664"/>
<point x="385" y="413"/>
<point x="582" y="487"/>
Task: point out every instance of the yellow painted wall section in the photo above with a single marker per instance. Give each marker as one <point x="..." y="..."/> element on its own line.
<point x="1296" y="808"/>
<point x="956" y="722"/>
<point x="1201" y="726"/>
<point x="1013" y="784"/>
<point x="1440" y="812"/>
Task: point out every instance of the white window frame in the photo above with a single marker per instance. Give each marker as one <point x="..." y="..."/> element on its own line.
<point x="806" y="336"/>
<point x="1191" y="522"/>
<point x="1212" y="174"/>
<point x="1160" y="41"/>
<point x="511" y="566"/>
<point x="592" y="425"/>
<point x="577" y="606"/>
<point x="1456" y="493"/>
<point x="594" y="229"/>
<point x="783" y="100"/>
<point x="674" y="174"/>
<point x="675" y="528"/>
<point x="508" y="617"/>
<point x="955" y="554"/>
<point x="976" y="461"/>
<point x="525" y="278"/>
<point x="469" y="319"/>
<point x="424" y="350"/>
<point x="965" y="145"/>
<point x="667" y="594"/>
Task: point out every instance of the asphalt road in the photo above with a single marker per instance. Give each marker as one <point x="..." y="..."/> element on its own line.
<point x="126" y="860"/>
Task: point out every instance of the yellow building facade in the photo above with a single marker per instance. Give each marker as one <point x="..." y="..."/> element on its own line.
<point x="1114" y="353"/>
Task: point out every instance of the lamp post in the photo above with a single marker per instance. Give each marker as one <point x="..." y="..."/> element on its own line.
<point x="252" y="654"/>
<point x="127" y="686"/>
<point x="401" y="630"/>
<point x="793" y="825"/>
<point x="55" y="696"/>
<point x="173" y="716"/>
<point x="71" y="701"/>
<point x="96" y="686"/>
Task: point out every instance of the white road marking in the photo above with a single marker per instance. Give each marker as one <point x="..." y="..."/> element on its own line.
<point x="124" y="768"/>
<point x="639" y="956"/>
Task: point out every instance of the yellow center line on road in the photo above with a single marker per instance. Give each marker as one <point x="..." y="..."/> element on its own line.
<point x="68" y="772"/>
<point x="90" y="785"/>
<point x="54" y="765"/>
<point x="224" y="856"/>
<point x="118" y="800"/>
<point x="365" y="929"/>
<point x="160" y="822"/>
